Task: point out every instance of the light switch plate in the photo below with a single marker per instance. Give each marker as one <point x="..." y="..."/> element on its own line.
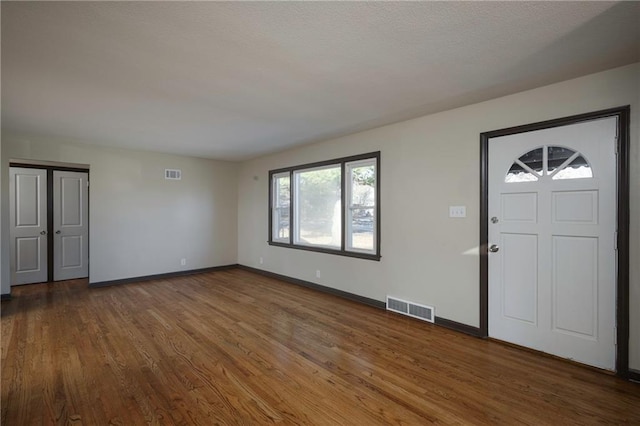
<point x="457" y="211"/>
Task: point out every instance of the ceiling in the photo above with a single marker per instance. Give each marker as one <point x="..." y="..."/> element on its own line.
<point x="236" y="80"/>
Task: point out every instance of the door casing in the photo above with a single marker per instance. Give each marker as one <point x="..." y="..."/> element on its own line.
<point x="622" y="181"/>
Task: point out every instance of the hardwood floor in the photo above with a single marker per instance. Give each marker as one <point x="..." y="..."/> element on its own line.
<point x="233" y="347"/>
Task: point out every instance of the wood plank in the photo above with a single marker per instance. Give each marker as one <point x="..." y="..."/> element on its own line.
<point x="233" y="347"/>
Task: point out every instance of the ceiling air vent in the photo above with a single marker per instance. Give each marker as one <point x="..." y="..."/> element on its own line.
<point x="415" y="310"/>
<point x="172" y="174"/>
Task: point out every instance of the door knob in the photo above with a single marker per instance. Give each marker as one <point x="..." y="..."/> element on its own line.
<point x="43" y="232"/>
<point x="494" y="220"/>
<point x="58" y="231"/>
<point x="494" y="248"/>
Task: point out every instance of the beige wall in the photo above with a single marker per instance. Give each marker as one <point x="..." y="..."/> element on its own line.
<point x="141" y="224"/>
<point x="427" y="165"/>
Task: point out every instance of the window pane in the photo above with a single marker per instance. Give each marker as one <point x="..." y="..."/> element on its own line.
<point x="361" y="220"/>
<point x="533" y="159"/>
<point x="579" y="168"/>
<point x="281" y="202"/>
<point x="281" y="224"/>
<point x="362" y="229"/>
<point x="556" y="156"/>
<point x="518" y="174"/>
<point x="363" y="186"/>
<point x="318" y="207"/>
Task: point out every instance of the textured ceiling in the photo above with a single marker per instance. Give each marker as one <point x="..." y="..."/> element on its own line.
<point x="240" y="79"/>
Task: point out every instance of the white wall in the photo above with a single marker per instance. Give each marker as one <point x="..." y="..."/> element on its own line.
<point x="428" y="164"/>
<point x="139" y="223"/>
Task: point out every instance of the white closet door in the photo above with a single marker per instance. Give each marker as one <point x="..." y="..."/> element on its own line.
<point x="28" y="217"/>
<point x="71" y="229"/>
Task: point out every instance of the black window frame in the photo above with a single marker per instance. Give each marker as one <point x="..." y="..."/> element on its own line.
<point x="341" y="162"/>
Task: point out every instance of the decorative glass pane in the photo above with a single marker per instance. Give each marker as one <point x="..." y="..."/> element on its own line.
<point x="579" y="168"/>
<point x="531" y="165"/>
<point x="521" y="170"/>
<point x="556" y="156"/>
<point x="318" y="207"/>
<point x="533" y="160"/>
<point x="518" y="174"/>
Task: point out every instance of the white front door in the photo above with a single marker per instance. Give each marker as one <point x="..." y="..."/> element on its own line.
<point x="552" y="223"/>
<point x="70" y="222"/>
<point x="28" y="217"/>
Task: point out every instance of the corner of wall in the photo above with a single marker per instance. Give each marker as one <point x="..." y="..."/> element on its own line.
<point x="5" y="276"/>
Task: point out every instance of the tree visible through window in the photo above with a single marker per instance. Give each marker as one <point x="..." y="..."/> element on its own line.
<point x="318" y="207"/>
<point x="361" y="212"/>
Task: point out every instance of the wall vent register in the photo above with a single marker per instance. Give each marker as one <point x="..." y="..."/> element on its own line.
<point x="415" y="310"/>
<point x="173" y="174"/>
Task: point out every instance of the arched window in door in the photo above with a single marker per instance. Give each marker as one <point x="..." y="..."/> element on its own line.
<point x="556" y="162"/>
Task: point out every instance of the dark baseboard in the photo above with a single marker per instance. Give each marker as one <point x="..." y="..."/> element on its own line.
<point x="443" y="322"/>
<point x="458" y="326"/>
<point x="344" y="294"/>
<point x="5" y="296"/>
<point x="634" y="375"/>
<point x="160" y="276"/>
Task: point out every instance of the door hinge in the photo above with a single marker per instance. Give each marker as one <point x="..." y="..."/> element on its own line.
<point x="615" y="240"/>
<point x="615" y="335"/>
<point x="87" y="184"/>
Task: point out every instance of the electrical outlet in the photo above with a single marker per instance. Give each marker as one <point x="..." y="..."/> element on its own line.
<point x="261" y="261"/>
<point x="318" y="273"/>
<point x="457" y="211"/>
<point x="183" y="261"/>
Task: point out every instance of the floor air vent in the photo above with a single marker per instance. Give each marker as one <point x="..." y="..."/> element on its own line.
<point x="423" y="312"/>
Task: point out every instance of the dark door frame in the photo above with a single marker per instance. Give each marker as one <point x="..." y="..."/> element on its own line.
<point x="50" y="170"/>
<point x="622" y="261"/>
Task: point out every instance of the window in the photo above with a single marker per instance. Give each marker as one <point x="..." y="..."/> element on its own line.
<point x="554" y="161"/>
<point x="361" y="205"/>
<point x="330" y="207"/>
<point x="281" y="191"/>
